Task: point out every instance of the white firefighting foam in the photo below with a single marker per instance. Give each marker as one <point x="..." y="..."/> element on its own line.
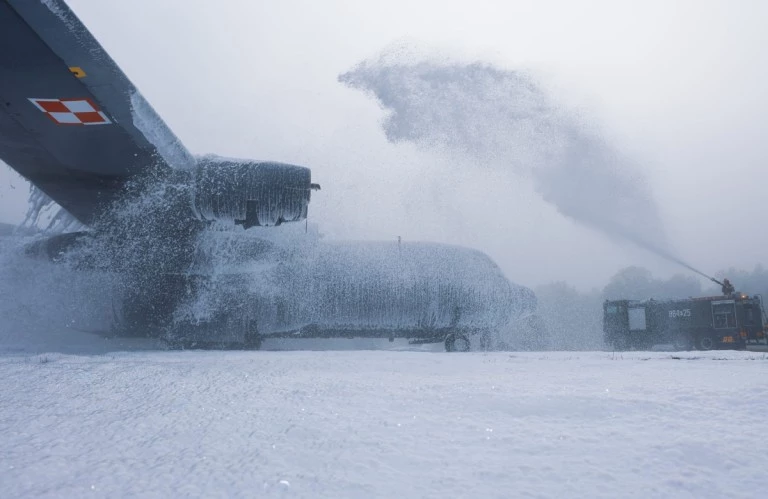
<point x="505" y="120"/>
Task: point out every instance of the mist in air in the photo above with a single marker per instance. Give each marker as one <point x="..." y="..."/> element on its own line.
<point x="505" y="120"/>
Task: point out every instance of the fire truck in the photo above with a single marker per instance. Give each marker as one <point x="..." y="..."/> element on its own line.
<point x="735" y="321"/>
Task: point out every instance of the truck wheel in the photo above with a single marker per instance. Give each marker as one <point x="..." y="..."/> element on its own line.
<point x="456" y="343"/>
<point x="705" y="343"/>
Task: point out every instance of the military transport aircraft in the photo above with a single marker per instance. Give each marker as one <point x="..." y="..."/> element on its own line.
<point x="74" y="126"/>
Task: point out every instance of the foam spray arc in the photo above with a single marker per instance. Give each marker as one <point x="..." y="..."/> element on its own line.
<point x="672" y="258"/>
<point x="505" y="120"/>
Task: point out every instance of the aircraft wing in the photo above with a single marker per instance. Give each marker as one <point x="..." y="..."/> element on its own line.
<point x="70" y="120"/>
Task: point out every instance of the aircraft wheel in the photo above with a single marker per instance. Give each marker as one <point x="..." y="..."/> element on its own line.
<point x="456" y="343"/>
<point x="705" y="343"/>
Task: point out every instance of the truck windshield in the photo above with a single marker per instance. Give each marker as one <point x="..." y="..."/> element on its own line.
<point x="724" y="315"/>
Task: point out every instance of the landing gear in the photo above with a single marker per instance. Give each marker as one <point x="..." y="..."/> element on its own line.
<point x="117" y="326"/>
<point x="620" y="344"/>
<point x="455" y="342"/>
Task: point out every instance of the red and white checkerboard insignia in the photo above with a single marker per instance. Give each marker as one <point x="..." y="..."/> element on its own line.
<point x="72" y="111"/>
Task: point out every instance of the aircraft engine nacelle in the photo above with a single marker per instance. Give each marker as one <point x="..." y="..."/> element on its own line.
<point x="251" y="193"/>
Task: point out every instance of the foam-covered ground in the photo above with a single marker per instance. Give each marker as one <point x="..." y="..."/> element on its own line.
<point x="82" y="415"/>
<point x="383" y="424"/>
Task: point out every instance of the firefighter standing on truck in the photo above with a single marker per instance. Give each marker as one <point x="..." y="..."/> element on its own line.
<point x="728" y="288"/>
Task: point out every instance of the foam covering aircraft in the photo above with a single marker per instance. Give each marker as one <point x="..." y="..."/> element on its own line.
<point x="73" y="125"/>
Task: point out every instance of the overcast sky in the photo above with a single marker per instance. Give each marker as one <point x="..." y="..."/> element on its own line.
<point x="678" y="85"/>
